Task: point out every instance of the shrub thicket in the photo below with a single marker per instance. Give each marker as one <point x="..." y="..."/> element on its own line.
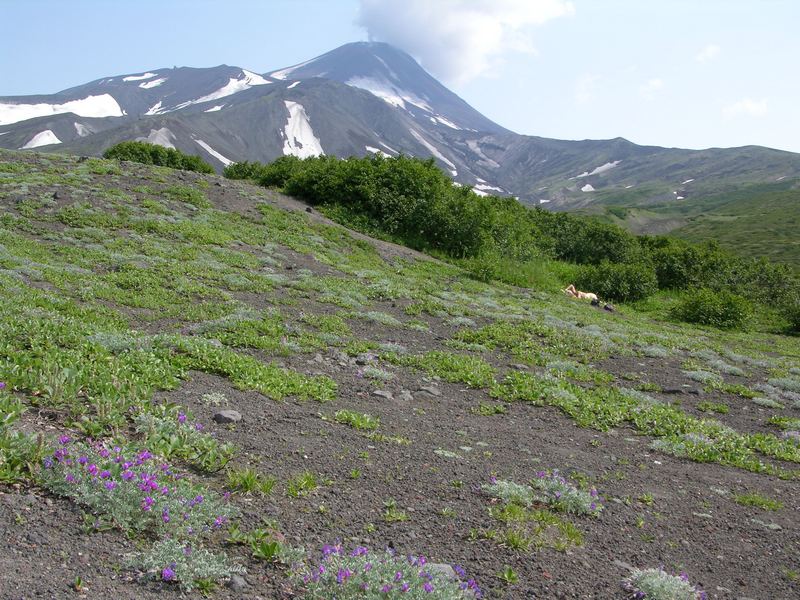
<point x="411" y="201"/>
<point x="623" y="282"/>
<point x="722" y="309"/>
<point x="152" y="154"/>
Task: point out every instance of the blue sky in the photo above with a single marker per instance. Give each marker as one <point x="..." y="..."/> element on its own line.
<point x="686" y="73"/>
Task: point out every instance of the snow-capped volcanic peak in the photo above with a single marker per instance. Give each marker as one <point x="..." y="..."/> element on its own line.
<point x="102" y="105"/>
<point x="300" y="139"/>
<point x="139" y="77"/>
<point x="43" y="138"/>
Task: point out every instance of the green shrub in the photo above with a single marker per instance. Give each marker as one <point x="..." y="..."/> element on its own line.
<point x="792" y="314"/>
<point x="618" y="281"/>
<point x="152" y="154"/>
<point x="244" y="170"/>
<point x="720" y="309"/>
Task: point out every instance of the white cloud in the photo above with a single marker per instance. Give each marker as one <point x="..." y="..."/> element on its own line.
<point x="710" y="52"/>
<point x="648" y="90"/>
<point x="458" y="40"/>
<point x="747" y="107"/>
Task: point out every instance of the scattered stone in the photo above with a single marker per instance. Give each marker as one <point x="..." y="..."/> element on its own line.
<point x="363" y="359"/>
<point x="703" y="515"/>
<point x="673" y="390"/>
<point x="609" y="308"/>
<point x="442" y="569"/>
<point x="237" y="583"/>
<point x="57" y="196"/>
<point x="430" y="390"/>
<point x="218" y="184"/>
<point x="227" y="416"/>
<point x="215" y="342"/>
<point x="83" y="159"/>
<point x="309" y="209"/>
<point x="318" y="358"/>
<point x="383" y="394"/>
<point x="623" y="565"/>
<point x="406" y="396"/>
<point x="518" y="367"/>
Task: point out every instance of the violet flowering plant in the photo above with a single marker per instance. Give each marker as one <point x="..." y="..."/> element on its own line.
<point x="365" y="574"/>
<point x="657" y="584"/>
<point x="134" y="489"/>
<point x="549" y="488"/>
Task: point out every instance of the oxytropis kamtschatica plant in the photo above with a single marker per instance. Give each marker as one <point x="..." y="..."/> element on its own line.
<point x="365" y="574"/>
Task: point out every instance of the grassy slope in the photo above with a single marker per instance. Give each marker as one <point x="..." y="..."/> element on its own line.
<point x="143" y="280"/>
<point x="756" y="220"/>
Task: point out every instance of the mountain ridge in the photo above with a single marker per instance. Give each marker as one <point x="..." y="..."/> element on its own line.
<point x="365" y="98"/>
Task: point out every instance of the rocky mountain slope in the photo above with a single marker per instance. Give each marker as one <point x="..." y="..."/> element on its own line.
<point x="366" y="98"/>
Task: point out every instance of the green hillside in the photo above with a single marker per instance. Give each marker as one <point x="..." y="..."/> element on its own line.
<point x="207" y="385"/>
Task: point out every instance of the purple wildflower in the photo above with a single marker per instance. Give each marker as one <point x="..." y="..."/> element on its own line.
<point x="48" y="462"/>
<point x="83" y="460"/>
<point x="110" y="485"/>
<point x="92" y="469"/>
<point x="398" y="576"/>
<point x="459" y="571"/>
<point x="147" y="503"/>
<point x="342" y="575"/>
<point x="359" y="551"/>
<point x="64" y="440"/>
<point x="165" y="515"/>
<point x="127" y="475"/>
<point x="2" y="385"/>
<point x="404" y="588"/>
<point x="386" y="589"/>
<point x="105" y="474"/>
<point x="181" y="418"/>
<point x="167" y="574"/>
<point x="427" y="587"/>
<point x="198" y="427"/>
<point x="70" y="478"/>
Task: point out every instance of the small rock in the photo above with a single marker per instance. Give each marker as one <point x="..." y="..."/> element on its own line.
<point x="318" y="358"/>
<point x="442" y="569"/>
<point x="363" y="359"/>
<point x="406" y="396"/>
<point x="703" y="515"/>
<point x="227" y="416"/>
<point x="219" y="184"/>
<point x="309" y="209"/>
<point x="430" y="390"/>
<point x="673" y="390"/>
<point x="383" y="394"/>
<point x="237" y="583"/>
<point x="518" y="366"/>
<point x="609" y="308"/>
<point x="57" y="196"/>
<point x="623" y="565"/>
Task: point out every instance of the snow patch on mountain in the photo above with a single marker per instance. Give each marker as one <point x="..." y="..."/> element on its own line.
<point x="235" y="85"/>
<point x="293" y="85"/>
<point x="475" y="147"/>
<point x="433" y="150"/>
<point x="485" y="187"/>
<point x="601" y="169"/>
<point x="388" y="92"/>
<point x="102" y="105"/>
<point x="300" y="139"/>
<point x="374" y="150"/>
<point x="215" y="108"/>
<point x="155" y="109"/>
<point x="147" y="75"/>
<point x="283" y="73"/>
<point x="587" y="188"/>
<point x="214" y="153"/>
<point x="446" y="122"/>
<point x="43" y="138"/>
<point x="151" y="84"/>
<point x="82" y="130"/>
<point x="687" y="181"/>
<point x="161" y="137"/>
